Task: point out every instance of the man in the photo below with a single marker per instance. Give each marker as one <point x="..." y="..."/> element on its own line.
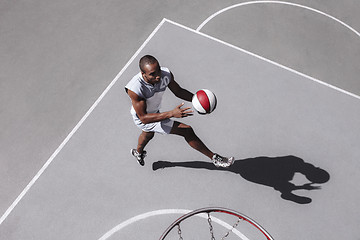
<point x="145" y="91"/>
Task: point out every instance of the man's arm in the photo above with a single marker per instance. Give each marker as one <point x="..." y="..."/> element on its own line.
<point x="179" y="91"/>
<point x="139" y="105"/>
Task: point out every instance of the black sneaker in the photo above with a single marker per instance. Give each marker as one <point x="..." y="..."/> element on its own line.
<point x="139" y="156"/>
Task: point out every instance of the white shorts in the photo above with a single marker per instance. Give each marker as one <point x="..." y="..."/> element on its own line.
<point x="163" y="127"/>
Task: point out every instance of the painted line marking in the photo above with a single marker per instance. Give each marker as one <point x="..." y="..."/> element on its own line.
<point x="277" y="2"/>
<point x="78" y="125"/>
<point x="143" y="216"/>
<point x="267" y="60"/>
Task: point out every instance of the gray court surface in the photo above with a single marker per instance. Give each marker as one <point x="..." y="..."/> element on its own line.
<point x="267" y="117"/>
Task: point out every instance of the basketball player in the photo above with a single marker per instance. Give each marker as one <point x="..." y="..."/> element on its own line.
<point x="145" y="91"/>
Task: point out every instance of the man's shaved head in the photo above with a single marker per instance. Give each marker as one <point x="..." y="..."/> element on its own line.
<point x="146" y="60"/>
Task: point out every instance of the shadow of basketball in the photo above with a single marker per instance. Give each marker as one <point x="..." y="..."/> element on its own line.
<point x="275" y="172"/>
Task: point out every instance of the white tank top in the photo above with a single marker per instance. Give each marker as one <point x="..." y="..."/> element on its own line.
<point x="151" y="93"/>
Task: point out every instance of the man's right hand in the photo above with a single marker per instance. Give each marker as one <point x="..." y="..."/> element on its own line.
<point x="179" y="112"/>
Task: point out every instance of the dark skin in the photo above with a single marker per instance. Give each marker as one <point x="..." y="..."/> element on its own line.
<point x="152" y="74"/>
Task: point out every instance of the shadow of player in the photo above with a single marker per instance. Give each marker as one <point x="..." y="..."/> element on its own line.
<point x="276" y="172"/>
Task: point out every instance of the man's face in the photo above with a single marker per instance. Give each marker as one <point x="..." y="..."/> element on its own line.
<point x="152" y="73"/>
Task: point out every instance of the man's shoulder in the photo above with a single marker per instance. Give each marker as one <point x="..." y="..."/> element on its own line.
<point x="135" y="85"/>
<point x="166" y="76"/>
<point x="134" y="81"/>
<point x="165" y="69"/>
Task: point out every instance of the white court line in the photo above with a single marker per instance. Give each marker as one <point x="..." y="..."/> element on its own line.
<point x="267" y="60"/>
<point x="163" y="212"/>
<point x="66" y="140"/>
<point x="78" y="125"/>
<point x="277" y="2"/>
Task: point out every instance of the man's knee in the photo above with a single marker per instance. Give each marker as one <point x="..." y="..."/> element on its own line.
<point x="182" y="129"/>
<point x="148" y="135"/>
<point x="188" y="131"/>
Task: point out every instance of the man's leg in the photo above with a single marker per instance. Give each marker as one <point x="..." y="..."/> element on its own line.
<point x="139" y="152"/>
<point x="188" y="133"/>
<point x="144" y="138"/>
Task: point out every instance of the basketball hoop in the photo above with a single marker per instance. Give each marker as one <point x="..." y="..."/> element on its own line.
<point x="242" y="226"/>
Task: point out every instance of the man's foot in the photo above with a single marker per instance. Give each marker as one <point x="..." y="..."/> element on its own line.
<point x="220" y="161"/>
<point x="139" y="156"/>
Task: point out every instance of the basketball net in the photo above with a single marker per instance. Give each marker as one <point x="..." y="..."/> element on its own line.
<point x="249" y="228"/>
